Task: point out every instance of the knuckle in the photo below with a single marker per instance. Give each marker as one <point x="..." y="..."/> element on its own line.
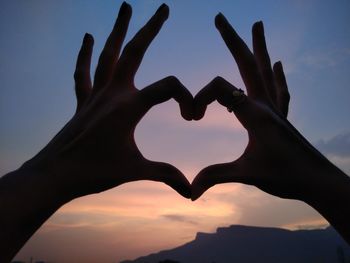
<point x="171" y="80"/>
<point x="218" y="80"/>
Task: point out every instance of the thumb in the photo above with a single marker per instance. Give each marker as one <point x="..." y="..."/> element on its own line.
<point x="168" y="174"/>
<point x="219" y="89"/>
<point x="217" y="174"/>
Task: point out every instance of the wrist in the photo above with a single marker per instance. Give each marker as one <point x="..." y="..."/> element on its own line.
<point x="28" y="197"/>
<point x="41" y="176"/>
<point x="330" y="196"/>
<point x="329" y="184"/>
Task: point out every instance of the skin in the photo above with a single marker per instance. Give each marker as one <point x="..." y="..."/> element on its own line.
<point x="277" y="159"/>
<point x="96" y="149"/>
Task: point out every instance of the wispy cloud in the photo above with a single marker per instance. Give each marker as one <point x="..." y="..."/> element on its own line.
<point x="180" y="218"/>
<point x="321" y="59"/>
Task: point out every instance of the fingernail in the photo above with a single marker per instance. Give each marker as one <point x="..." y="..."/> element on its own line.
<point x="219" y="20"/>
<point x="162" y="8"/>
<point x="123" y="8"/>
<point x="198" y="112"/>
<point x="87" y="37"/>
<point x="279" y="65"/>
<point x="195" y="196"/>
<point x="193" y="115"/>
<point x="260" y="27"/>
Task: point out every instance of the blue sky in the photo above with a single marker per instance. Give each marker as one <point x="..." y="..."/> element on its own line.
<point x="39" y="43"/>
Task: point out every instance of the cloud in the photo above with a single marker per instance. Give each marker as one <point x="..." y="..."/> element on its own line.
<point x="325" y="58"/>
<point x="146" y="202"/>
<point x="339" y="145"/>
<point x="180" y="218"/>
<point x="252" y="206"/>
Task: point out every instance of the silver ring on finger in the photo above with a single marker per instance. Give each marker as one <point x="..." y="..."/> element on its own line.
<point x="237" y="98"/>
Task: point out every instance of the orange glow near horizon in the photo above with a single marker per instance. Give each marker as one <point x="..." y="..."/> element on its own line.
<point x="144" y="217"/>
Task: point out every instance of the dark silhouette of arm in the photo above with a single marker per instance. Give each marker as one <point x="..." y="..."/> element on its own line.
<point x="277" y="159"/>
<point x="96" y="150"/>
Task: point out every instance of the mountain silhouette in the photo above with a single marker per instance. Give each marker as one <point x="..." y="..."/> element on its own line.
<point x="247" y="244"/>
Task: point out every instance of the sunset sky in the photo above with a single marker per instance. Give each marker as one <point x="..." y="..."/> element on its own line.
<point x="38" y="48"/>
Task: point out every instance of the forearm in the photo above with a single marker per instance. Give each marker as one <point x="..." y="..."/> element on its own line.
<point x="330" y="196"/>
<point x="28" y="197"/>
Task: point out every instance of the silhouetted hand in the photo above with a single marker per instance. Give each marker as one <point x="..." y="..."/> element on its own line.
<point x="96" y="150"/>
<point x="277" y="159"/>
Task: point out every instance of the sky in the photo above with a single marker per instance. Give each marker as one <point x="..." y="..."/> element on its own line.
<point x="38" y="48"/>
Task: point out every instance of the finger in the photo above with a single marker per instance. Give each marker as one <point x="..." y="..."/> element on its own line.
<point x="218" y="89"/>
<point x="244" y="58"/>
<point x="168" y="174"/>
<point x="134" y="51"/>
<point x="250" y="113"/>
<point x="166" y="89"/>
<point x="218" y="174"/>
<point x="110" y="52"/>
<point x="82" y="71"/>
<point x="283" y="96"/>
<point x="263" y="60"/>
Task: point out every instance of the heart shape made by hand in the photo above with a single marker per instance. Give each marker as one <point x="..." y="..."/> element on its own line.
<point x="109" y="110"/>
<point x="263" y="113"/>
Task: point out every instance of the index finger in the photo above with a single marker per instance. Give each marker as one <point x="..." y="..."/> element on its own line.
<point x="134" y="51"/>
<point x="244" y="58"/>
